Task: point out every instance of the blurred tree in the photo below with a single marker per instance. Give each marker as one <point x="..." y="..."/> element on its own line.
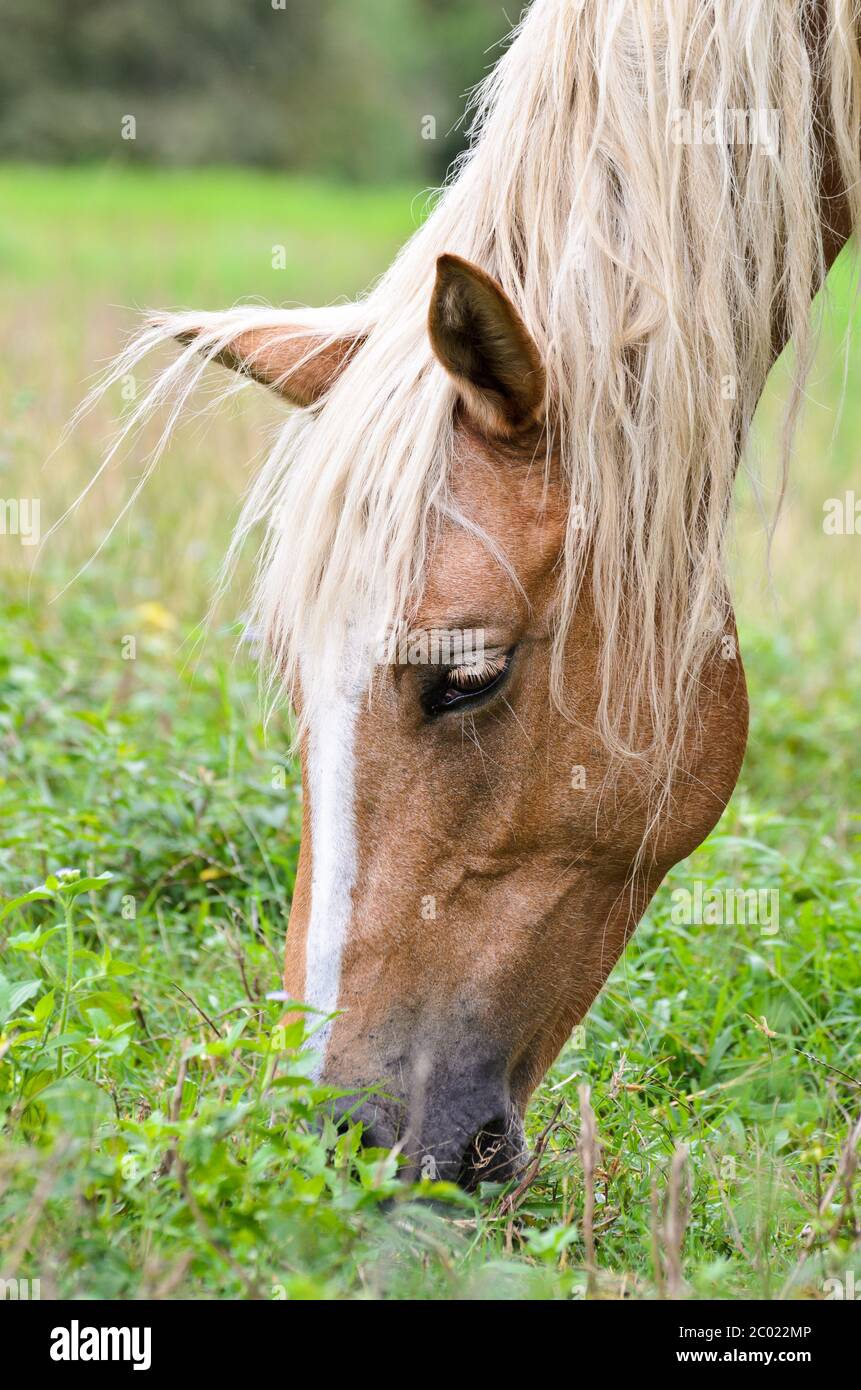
<point x="361" y="89"/>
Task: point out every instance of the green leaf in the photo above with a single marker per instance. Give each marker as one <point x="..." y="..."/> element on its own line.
<point x="36" y="895"/>
<point x="45" y="1007"/>
<point x="12" y="996"/>
<point x="73" y="887"/>
<point x="31" y="941"/>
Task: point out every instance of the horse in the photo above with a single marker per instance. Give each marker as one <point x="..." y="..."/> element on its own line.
<point x="493" y="575"/>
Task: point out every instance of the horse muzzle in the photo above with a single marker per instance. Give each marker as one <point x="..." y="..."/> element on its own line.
<point x="454" y="1126"/>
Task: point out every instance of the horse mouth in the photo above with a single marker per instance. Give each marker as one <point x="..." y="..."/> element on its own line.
<point x="496" y="1153"/>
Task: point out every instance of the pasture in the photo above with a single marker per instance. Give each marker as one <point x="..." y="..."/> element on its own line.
<point x="158" y="1133"/>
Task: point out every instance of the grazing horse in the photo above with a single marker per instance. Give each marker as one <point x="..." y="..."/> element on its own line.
<point x="493" y="574"/>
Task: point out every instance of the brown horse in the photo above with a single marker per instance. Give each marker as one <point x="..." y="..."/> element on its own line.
<point x="493" y="577"/>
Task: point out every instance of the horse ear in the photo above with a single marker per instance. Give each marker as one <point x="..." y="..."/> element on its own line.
<point x="481" y="340"/>
<point x="296" y="360"/>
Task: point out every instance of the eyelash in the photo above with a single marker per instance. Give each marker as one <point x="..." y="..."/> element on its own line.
<point x="462" y="684"/>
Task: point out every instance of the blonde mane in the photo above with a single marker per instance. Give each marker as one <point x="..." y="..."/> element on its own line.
<point x="642" y="179"/>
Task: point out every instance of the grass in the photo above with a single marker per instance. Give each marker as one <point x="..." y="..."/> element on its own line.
<point x="157" y="1128"/>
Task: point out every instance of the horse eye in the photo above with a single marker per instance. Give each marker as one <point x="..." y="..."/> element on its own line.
<point x="460" y="685"/>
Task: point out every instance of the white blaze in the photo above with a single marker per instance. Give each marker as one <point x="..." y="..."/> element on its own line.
<point x="334" y="851"/>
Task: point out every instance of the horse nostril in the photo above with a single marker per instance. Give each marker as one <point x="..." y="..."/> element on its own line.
<point x="378" y="1131"/>
<point x="345" y="1121"/>
<point x="372" y="1138"/>
<point x="436" y="1148"/>
<point x="490" y="1155"/>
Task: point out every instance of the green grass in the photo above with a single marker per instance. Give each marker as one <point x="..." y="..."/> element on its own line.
<point x="157" y="1134"/>
<point x="228" y="223"/>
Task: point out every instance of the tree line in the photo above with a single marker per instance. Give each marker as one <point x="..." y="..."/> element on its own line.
<point x="366" y="90"/>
